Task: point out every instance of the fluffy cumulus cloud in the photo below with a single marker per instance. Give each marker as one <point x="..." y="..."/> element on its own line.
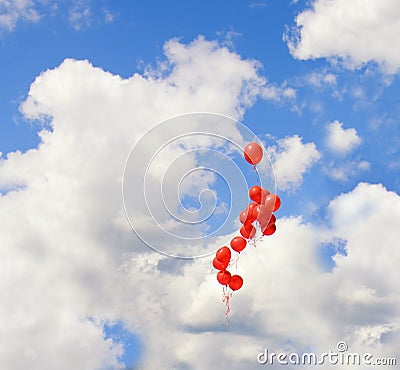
<point x="290" y="304"/>
<point x="356" y="31"/>
<point x="66" y="241"/>
<point x="341" y="140"/>
<point x="69" y="262"/>
<point x="291" y="159"/>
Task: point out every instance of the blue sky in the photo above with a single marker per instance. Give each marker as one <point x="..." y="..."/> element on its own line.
<point x="135" y="37"/>
<point x="326" y="107"/>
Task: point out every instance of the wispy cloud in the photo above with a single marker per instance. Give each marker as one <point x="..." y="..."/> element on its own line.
<point x="344" y="170"/>
<point x="14" y="11"/>
<point x="258" y="5"/>
<point x="81" y="13"/>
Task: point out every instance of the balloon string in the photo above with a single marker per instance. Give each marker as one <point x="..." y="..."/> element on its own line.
<point x="252" y="242"/>
<point x="257" y="175"/>
<point x="235" y="262"/>
<point x="226" y="296"/>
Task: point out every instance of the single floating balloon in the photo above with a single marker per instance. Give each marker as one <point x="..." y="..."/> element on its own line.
<point x="223" y="254"/>
<point x="224" y="277"/>
<point x="235" y="282"/>
<point x="253" y="153"/>
<point x="238" y="243"/>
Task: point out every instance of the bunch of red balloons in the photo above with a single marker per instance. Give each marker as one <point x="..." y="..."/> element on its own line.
<point x="257" y="215"/>
<point x="222" y="260"/>
<point x="260" y="210"/>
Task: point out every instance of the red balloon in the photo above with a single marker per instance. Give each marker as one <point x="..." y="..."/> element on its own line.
<point x="269" y="202"/>
<point x="238" y="243"/>
<point x="255" y="193"/>
<point x="270" y="229"/>
<point x="248" y="226"/>
<point x="256" y="211"/>
<point x="250" y="210"/>
<point x="272" y="220"/>
<point x="277" y="203"/>
<point x="224" y="277"/>
<point x="265" y="192"/>
<point x="235" y="282"/>
<point x="245" y="233"/>
<point x="220" y="265"/>
<point x="273" y="202"/>
<point x="261" y="214"/>
<point x="223" y="254"/>
<point x="243" y="216"/>
<point x="248" y="232"/>
<point x="253" y="153"/>
<point x="266" y="223"/>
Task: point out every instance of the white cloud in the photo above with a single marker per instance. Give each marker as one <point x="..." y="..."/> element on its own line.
<point x="108" y="15"/>
<point x="357" y="31"/>
<point x="286" y="296"/>
<point x="342" y="171"/>
<point x="81" y="14"/>
<point x="256" y="86"/>
<point x="341" y="140"/>
<point x="66" y="252"/>
<point x="318" y="79"/>
<point x="12" y="11"/>
<point x="291" y="159"/>
<point x="258" y="5"/>
<point x="278" y="93"/>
